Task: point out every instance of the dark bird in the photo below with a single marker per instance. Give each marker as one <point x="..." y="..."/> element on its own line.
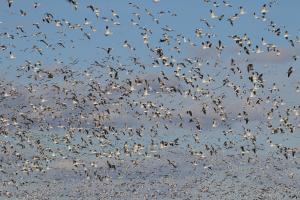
<point x="290" y="71"/>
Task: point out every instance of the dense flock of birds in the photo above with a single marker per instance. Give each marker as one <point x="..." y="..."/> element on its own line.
<point x="142" y="97"/>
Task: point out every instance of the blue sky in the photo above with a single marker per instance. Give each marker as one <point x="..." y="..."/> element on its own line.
<point x="188" y="19"/>
<point x="284" y="13"/>
<point x="67" y="130"/>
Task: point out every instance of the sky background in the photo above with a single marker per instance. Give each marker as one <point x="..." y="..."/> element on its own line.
<point x="84" y="52"/>
<point x="283" y="13"/>
<point x="67" y="132"/>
